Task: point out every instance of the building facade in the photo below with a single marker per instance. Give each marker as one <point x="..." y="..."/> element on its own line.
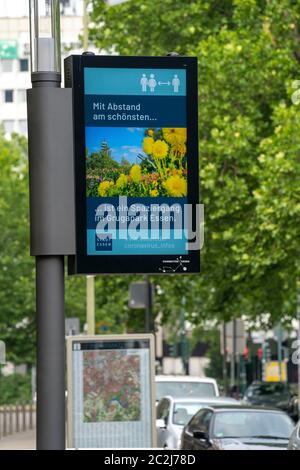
<point x="15" y="56"/>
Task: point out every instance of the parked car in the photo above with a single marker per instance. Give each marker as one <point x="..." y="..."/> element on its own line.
<point x="185" y="386"/>
<point x="237" y="428"/>
<point x="294" y="442"/>
<point x="274" y="394"/>
<point x="174" y="413"/>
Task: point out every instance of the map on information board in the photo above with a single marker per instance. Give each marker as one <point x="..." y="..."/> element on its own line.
<point x="111" y="396"/>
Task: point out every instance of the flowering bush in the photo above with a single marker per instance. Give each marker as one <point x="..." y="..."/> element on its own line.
<point x="161" y="171"/>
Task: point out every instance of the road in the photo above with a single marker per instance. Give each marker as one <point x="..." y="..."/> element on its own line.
<point x="19" y="441"/>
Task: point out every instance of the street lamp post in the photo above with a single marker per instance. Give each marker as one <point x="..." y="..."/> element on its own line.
<point x="90" y="280"/>
<point x="85" y="21"/>
<point x="224" y="353"/>
<point x="45" y="68"/>
<point x="279" y="351"/>
<point x="149" y="327"/>
<point x="45" y="48"/>
<point x="90" y="304"/>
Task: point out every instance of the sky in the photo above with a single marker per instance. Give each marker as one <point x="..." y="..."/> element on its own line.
<point x="20" y="8"/>
<point x="123" y="142"/>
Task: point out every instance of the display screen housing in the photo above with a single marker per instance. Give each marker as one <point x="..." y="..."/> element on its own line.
<point x="136" y="163"/>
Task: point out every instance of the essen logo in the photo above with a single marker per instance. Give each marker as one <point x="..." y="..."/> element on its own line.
<point x="103" y="242"/>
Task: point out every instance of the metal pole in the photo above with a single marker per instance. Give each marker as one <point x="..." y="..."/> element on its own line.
<point x="50" y="308"/>
<point x="148" y="311"/>
<point x="50" y="302"/>
<point x="232" y="372"/>
<point x="85" y="19"/>
<point x="90" y="304"/>
<point x="233" y="355"/>
<point x="33" y="383"/>
<point x="279" y="351"/>
<point x="183" y="339"/>
<point x="234" y="349"/>
<point x="225" y="380"/>
<point x="238" y="373"/>
<point x="36" y="19"/>
<point x="263" y="361"/>
<point x="90" y="280"/>
<point x="243" y="374"/>
<point x="50" y="353"/>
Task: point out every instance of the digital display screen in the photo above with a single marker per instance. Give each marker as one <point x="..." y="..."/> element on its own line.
<point x="139" y="164"/>
<point x="135" y="138"/>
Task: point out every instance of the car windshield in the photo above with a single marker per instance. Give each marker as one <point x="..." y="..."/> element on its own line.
<point x="184" y="389"/>
<point x="245" y="423"/>
<point x="267" y="389"/>
<point x="183" y="412"/>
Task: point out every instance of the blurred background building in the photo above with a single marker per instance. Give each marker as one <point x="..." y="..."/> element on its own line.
<point x="15" y="56"/>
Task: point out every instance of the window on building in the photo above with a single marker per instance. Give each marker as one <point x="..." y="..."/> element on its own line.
<point x="23" y="126"/>
<point x="8" y="126"/>
<point x="7" y="65"/>
<point x="8" y="96"/>
<point x="21" y="96"/>
<point x="24" y="65"/>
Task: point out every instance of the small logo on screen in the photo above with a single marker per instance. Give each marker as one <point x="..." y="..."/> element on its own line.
<point x="103" y="242"/>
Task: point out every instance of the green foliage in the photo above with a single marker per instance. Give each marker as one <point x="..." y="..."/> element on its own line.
<point x="145" y="27"/>
<point x="249" y="54"/>
<point x="15" y="389"/>
<point x="17" y="321"/>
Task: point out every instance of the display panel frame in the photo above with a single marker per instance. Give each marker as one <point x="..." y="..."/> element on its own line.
<point x="82" y="262"/>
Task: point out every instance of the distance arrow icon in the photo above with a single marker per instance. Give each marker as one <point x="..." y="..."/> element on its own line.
<point x="164" y="83"/>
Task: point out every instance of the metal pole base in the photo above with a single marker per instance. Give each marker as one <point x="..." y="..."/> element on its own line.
<point x="51" y="353"/>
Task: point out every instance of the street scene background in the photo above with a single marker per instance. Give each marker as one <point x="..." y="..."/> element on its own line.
<point x="249" y="141"/>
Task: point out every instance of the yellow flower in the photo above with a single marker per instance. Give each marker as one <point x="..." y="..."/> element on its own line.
<point x="176" y="186"/>
<point x="160" y="149"/>
<point x="154" y="192"/>
<point x="122" y="181"/>
<point x="175" y="135"/>
<point x="135" y="173"/>
<point x="150" y="132"/>
<point x="148" y="145"/>
<point x="179" y="149"/>
<point x="104" y="187"/>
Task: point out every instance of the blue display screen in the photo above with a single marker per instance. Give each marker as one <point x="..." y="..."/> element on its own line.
<point x="136" y="160"/>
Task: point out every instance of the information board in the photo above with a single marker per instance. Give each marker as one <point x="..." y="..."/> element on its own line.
<point x="136" y="164"/>
<point x="111" y="398"/>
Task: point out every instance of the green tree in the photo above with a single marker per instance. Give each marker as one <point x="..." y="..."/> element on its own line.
<point x="15" y="389"/>
<point x="17" y="321"/>
<point x="249" y="52"/>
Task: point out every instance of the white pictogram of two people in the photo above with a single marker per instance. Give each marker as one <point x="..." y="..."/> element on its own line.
<point x="152" y="83"/>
